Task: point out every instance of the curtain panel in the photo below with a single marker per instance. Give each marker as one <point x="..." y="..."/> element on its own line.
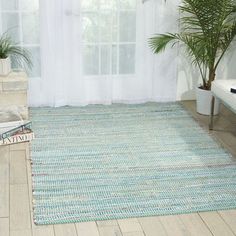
<point x="96" y="52"/>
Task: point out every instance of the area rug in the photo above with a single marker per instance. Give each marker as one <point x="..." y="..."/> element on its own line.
<point x="120" y="161"/>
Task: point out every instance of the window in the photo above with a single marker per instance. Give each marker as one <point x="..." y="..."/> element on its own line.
<point x="109" y="37"/>
<point x="21" y="19"/>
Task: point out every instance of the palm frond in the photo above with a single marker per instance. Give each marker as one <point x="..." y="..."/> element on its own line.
<point x="208" y="28"/>
<point x="159" y="42"/>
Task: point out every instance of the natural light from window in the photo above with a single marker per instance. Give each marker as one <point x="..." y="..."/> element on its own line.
<point x="109" y="37"/>
<point x="20" y="18"/>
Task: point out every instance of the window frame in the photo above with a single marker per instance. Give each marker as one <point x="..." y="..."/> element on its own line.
<point x="111" y="43"/>
<point x="19" y="11"/>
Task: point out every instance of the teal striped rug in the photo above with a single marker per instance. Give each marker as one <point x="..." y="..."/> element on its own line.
<point x="110" y="162"/>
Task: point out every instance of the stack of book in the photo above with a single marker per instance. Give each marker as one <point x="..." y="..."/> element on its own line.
<point x="13" y="130"/>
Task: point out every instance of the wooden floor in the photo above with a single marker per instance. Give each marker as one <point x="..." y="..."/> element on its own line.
<point x="16" y="218"/>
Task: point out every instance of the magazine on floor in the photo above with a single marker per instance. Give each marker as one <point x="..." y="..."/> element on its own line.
<point x="13" y="129"/>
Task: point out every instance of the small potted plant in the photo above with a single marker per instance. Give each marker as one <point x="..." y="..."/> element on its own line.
<point x="207" y="30"/>
<point x="9" y="50"/>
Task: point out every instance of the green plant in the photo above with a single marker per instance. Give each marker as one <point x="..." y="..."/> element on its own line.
<point x="19" y="55"/>
<point x="207" y="30"/>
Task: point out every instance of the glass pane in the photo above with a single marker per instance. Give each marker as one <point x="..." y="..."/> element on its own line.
<point x="89" y="5"/>
<point x="91" y="60"/>
<point x="10" y="23"/>
<point x="127" y="59"/>
<point x="127" y="4"/>
<point x="105" y="59"/>
<point x="105" y="27"/>
<point x="114" y="59"/>
<point x="35" y="56"/>
<point x="90" y="27"/>
<point x="9" y="5"/>
<point x="127" y="26"/>
<point x="108" y="4"/>
<point x="115" y="27"/>
<point x="15" y="65"/>
<point x="30" y="28"/>
<point x="29" y="5"/>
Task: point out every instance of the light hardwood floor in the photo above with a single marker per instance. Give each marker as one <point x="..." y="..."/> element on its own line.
<point x="16" y="218"/>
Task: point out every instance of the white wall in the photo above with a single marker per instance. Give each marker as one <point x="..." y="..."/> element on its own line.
<point x="188" y="77"/>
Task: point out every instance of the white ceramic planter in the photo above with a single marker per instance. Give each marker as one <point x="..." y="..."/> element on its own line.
<point x="5" y="66"/>
<point x="204" y="98"/>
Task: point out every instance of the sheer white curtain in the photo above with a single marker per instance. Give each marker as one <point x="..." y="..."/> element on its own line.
<point x="96" y="51"/>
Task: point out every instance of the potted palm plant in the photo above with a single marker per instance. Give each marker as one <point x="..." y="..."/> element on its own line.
<point x="207" y="30"/>
<point x="9" y="50"/>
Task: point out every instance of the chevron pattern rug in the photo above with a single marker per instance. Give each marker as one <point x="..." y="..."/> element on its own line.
<point x="119" y="161"/>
